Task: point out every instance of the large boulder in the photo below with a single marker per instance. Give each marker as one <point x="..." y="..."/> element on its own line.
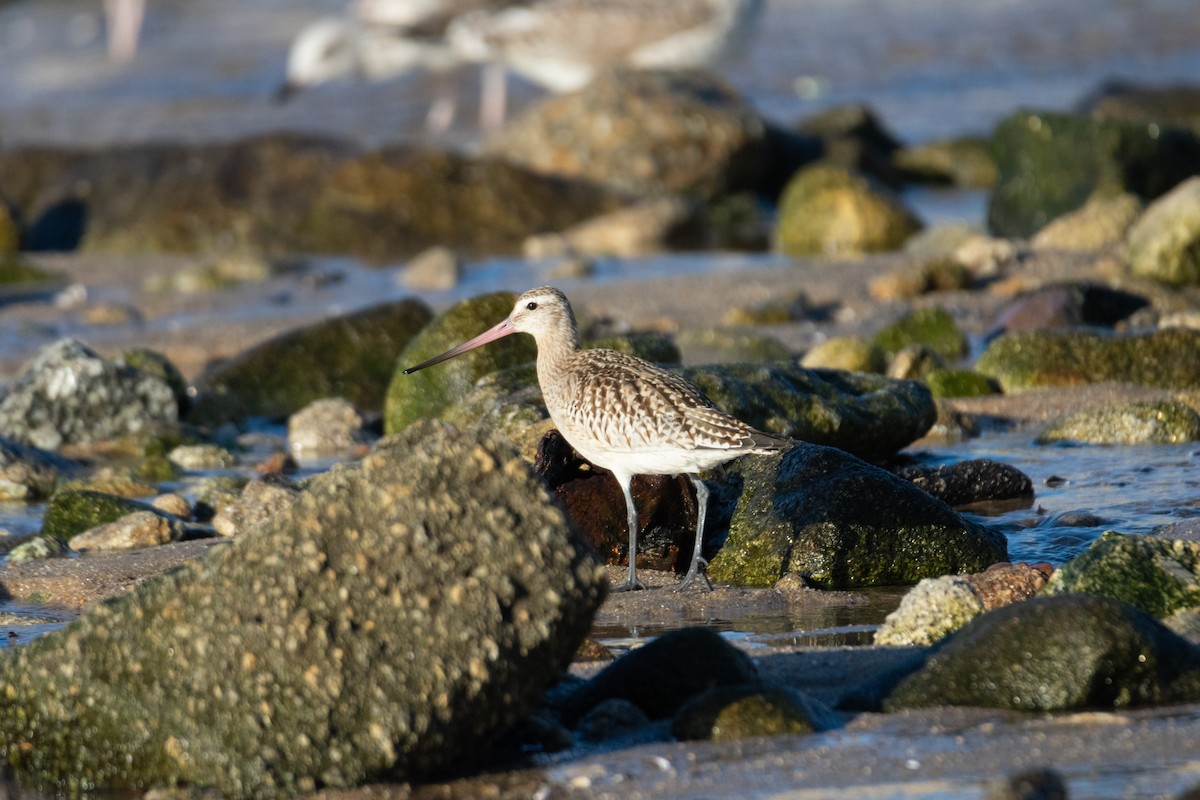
<point x="1050" y="164"/>
<point x="398" y="617"/>
<point x="840" y="522"/>
<point x="647" y="132"/>
<point x="70" y="395"/>
<point x="352" y="357"/>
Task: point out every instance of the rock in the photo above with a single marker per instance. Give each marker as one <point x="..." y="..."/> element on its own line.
<point x="199" y="457"/>
<point x="434" y="269"/>
<point x="966" y="162"/>
<point x="646" y="132"/>
<point x="930" y="327"/>
<point x="852" y="353"/>
<point x="828" y="211"/>
<point x="70" y="395"/>
<point x="661" y="676"/>
<point x="224" y="272"/>
<point x="930" y="611"/>
<point x="130" y="532"/>
<point x="214" y="493"/>
<point x="804" y="513"/>
<point x="281" y="193"/>
<point x="259" y="501"/>
<point x="1164" y="243"/>
<point x="1033" y="784"/>
<point x="868" y="415"/>
<point x="853" y="137"/>
<point x="1063" y="653"/>
<point x="339" y="645"/>
<point x="1096" y="225"/>
<point x="29" y="473"/>
<point x="425" y="394"/>
<point x="10" y="233"/>
<point x="1159" y="576"/>
<point x="1162" y="422"/>
<point x="1067" y="306"/>
<point x="1050" y="164"/>
<point x="38" y="548"/>
<point x="974" y="481"/>
<point x="937" y="607"/>
<point x="351" y="356"/>
<point x="73" y="512"/>
<point x="325" y="428"/>
<point x="913" y="362"/>
<point x="729" y="713"/>
<point x="939" y="274"/>
<point x="948" y="382"/>
<point x="116" y="480"/>
<point x="174" y="504"/>
<point x="610" y="719"/>
<point x="647" y="226"/>
<point x="1163" y="359"/>
<point x="776" y="312"/>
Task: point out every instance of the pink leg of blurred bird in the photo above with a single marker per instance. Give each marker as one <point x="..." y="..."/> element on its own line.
<point x="124" y="21"/>
<point x="493" y="97"/>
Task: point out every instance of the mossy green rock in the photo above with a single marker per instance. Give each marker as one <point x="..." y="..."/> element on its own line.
<point x="1050" y="164"/>
<point x="730" y="344"/>
<point x="930" y="611"/>
<point x="804" y="513"/>
<point x="948" y="382"/>
<point x="1164" y="244"/>
<point x="426" y="394"/>
<point x="1063" y="653"/>
<point x="1165" y="359"/>
<point x="827" y="210"/>
<point x="352" y="357"/>
<point x="729" y="713"/>
<point x="930" y="327"/>
<point x="967" y="161"/>
<point x="1160" y="576"/>
<point x="75" y="511"/>
<point x="343" y="642"/>
<point x="868" y="415"/>
<point x="1162" y="422"/>
<point x="10" y="233"/>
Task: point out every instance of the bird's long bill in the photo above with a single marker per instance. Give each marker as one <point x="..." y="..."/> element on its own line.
<point x="498" y="332"/>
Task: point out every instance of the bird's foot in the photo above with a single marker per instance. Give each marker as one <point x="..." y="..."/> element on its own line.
<point x="694" y="572"/>
<point x="635" y="586"/>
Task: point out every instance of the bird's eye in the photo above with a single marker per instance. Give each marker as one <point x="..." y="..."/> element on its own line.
<point x="531" y="306"/>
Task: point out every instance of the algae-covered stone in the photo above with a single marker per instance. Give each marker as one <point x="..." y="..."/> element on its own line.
<point x="1160" y="576"/>
<point x="1098" y="224"/>
<point x="1050" y="164"/>
<point x="852" y="353"/>
<point x="702" y="345"/>
<point x="29" y="473"/>
<point x="10" y="233"/>
<point x="426" y="394"/>
<point x="1162" y="422"/>
<point x="729" y="713"/>
<point x="1164" y="244"/>
<point x="403" y="613"/>
<point x="351" y="356"/>
<point x="950" y="382"/>
<point x="827" y="210"/>
<point x="73" y="512"/>
<point x="805" y="513"/>
<point x="1056" y="654"/>
<point x="1164" y="359"/>
<point x="130" y="532"/>
<point x="930" y="327"/>
<point x="929" y="611"/>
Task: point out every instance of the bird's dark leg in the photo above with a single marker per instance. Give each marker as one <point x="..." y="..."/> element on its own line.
<point x="696" y="569"/>
<point x="631" y="510"/>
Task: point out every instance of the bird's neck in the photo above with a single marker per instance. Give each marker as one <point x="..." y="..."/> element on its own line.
<point x="557" y="346"/>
